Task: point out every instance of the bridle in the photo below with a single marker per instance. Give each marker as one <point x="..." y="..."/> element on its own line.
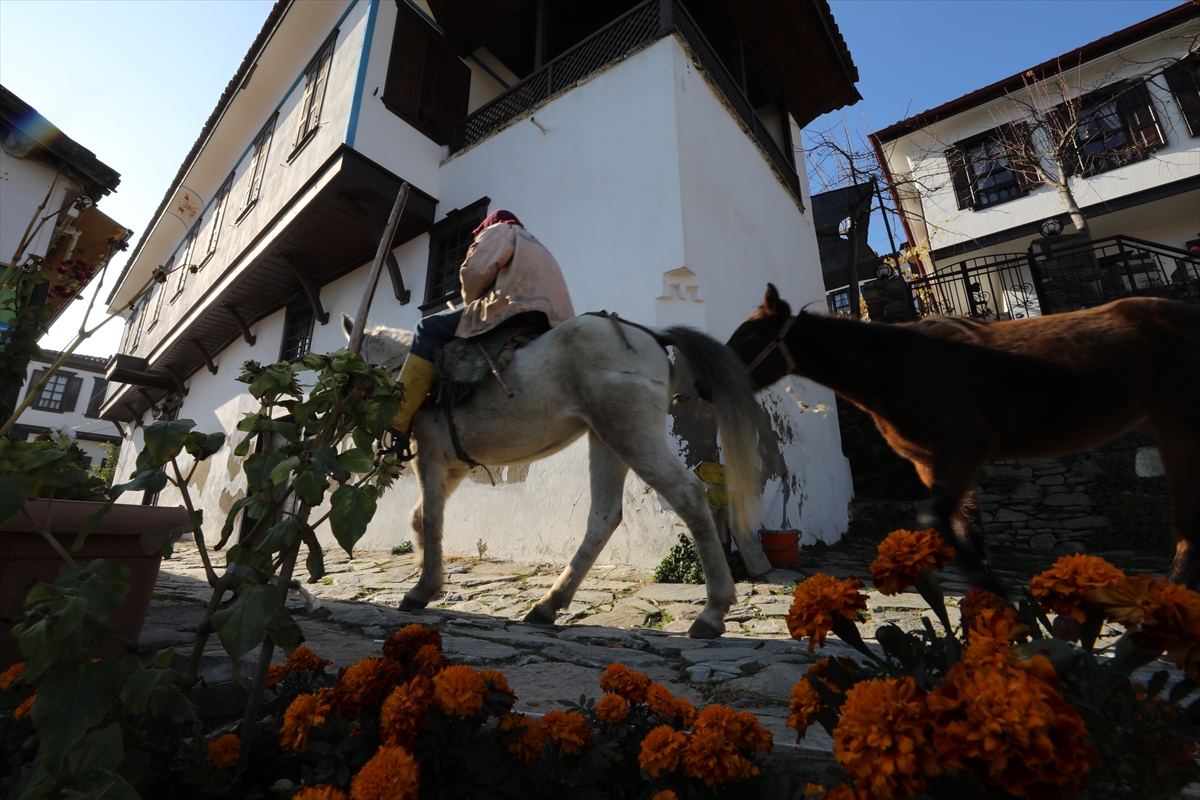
<point x="781" y="344"/>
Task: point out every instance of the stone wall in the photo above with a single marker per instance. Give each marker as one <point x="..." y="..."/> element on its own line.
<point x="1110" y="498"/>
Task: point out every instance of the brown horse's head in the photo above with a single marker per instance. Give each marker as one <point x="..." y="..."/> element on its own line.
<point x="757" y="333"/>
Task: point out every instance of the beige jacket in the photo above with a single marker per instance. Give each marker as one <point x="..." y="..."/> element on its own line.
<point x="507" y="272"/>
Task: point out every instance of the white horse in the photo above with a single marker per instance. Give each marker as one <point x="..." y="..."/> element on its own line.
<point x="614" y="382"/>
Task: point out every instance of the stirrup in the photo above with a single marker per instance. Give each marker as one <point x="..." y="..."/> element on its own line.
<point x="396" y="443"/>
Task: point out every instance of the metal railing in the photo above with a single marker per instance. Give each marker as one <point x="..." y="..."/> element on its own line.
<point x="989" y="287"/>
<point x="629" y="32"/>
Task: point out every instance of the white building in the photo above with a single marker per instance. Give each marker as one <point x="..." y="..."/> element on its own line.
<point x="650" y="146"/>
<point x="70" y="403"/>
<point x="973" y="212"/>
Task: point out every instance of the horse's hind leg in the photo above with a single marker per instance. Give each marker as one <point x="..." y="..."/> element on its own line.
<point x="1180" y="451"/>
<point x="608" y="482"/>
<point x="659" y="468"/>
<point x="437" y="481"/>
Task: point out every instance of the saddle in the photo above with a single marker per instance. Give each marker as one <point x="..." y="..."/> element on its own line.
<point x="462" y="365"/>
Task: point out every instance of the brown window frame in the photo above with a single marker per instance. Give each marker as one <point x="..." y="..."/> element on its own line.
<point x="1183" y="79"/>
<point x="449" y="240"/>
<point x="218" y="219"/>
<point x="50" y="398"/>
<point x="428" y="85"/>
<point x="316" y="81"/>
<point x="258" y="165"/>
<point x="289" y="349"/>
<point x="1132" y="117"/>
<point x="968" y="168"/>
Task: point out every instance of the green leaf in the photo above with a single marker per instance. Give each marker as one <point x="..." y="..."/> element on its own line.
<point x="379" y="413"/>
<point x="149" y="479"/>
<point x="327" y="460"/>
<point x="259" y="468"/>
<point x="280" y="536"/>
<point x="243" y="625"/>
<point x="315" y="561"/>
<point x="104" y="586"/>
<point x="243" y="447"/>
<point x="283" y="470"/>
<point x="231" y="518"/>
<point x="102" y="749"/>
<point x="201" y="446"/>
<point x="70" y="611"/>
<point x="310" y="486"/>
<point x="92" y="522"/>
<point x="15" y="489"/>
<point x="71" y="699"/>
<point x="352" y="508"/>
<point x="172" y="537"/>
<point x="39" y="648"/>
<point x="363" y="439"/>
<point x="164" y="440"/>
<point x="284" y="631"/>
<point x="357" y="460"/>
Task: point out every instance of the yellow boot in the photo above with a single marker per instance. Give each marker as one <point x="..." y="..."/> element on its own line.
<point x="416" y="377"/>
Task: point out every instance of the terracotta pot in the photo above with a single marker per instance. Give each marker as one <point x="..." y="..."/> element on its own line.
<point x="782" y="547"/>
<point x="131" y="535"/>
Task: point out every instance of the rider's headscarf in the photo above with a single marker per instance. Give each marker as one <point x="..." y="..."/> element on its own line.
<point x="496" y="218"/>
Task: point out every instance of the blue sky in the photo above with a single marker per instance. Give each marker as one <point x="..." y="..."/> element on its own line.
<point x="134" y="81"/>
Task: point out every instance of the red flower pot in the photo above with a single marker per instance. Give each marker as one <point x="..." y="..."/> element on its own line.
<point x="782" y="547"/>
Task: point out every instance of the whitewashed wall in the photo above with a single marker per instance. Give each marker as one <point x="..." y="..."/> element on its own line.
<point x="23" y="187"/>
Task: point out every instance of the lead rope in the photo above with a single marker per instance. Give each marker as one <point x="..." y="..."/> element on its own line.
<point x="781" y="344"/>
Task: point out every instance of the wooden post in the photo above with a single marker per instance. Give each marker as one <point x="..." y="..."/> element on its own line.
<point x="385" y="246"/>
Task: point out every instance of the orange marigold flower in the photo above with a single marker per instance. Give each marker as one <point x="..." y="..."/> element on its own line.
<point x="620" y="679"/>
<point x="819" y="600"/>
<point x="1009" y="729"/>
<point x="753" y="735"/>
<point x="686" y="712"/>
<point x="499" y="684"/>
<point x="847" y="793"/>
<point x="661" y="750"/>
<point x="9" y="675"/>
<point x="1162" y="616"/>
<point x="391" y="774"/>
<point x="527" y="746"/>
<point x="320" y="792"/>
<point x="665" y="794"/>
<point x="306" y="712"/>
<point x="459" y="690"/>
<point x="992" y="633"/>
<point x="811" y="789"/>
<point x="805" y="705"/>
<point x="709" y="755"/>
<point x="883" y="738"/>
<point x="661" y="701"/>
<point x="275" y="674"/>
<point x="403" y="647"/>
<point x="364" y="684"/>
<point x="430" y="660"/>
<point x="25" y="709"/>
<point x="224" y="752"/>
<point x="405" y="711"/>
<point x="612" y="708"/>
<point x="1064" y="587"/>
<point x="568" y="730"/>
<point x="305" y="660"/>
<point x="902" y="556"/>
<point x="977" y="600"/>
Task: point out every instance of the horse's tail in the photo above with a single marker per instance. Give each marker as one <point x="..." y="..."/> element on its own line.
<point x="721" y="379"/>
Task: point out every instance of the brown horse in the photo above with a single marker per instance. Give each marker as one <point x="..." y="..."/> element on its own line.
<point x="949" y="394"/>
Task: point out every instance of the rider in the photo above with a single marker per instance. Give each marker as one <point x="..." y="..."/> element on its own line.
<point x="506" y="272"/>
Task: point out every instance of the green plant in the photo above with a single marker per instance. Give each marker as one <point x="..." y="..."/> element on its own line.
<point x="481" y="546"/>
<point x="682" y="564"/>
<point x="106" y="470"/>
<point x="402" y="549"/>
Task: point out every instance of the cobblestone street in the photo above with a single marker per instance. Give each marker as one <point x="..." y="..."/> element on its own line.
<point x="619" y="614"/>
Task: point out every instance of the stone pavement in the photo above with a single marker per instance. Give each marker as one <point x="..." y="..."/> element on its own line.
<point x="619" y="614"/>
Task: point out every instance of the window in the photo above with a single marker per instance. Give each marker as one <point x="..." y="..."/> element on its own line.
<point x="185" y="262"/>
<point x="1115" y="128"/>
<point x="258" y="165"/>
<point x="297" y="331"/>
<point x="1183" y="79"/>
<point x="135" y="322"/>
<point x="159" y="291"/>
<point x="99" y="390"/>
<point x="316" y="77"/>
<point x="60" y="394"/>
<point x="218" y="219"/>
<point x="427" y="83"/>
<point x="985" y="169"/>
<point x="449" y="241"/>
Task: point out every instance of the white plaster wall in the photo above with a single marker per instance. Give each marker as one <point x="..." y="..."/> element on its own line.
<point x="23" y="185"/>
<point x="743" y="229"/>
<point x="922" y="154"/>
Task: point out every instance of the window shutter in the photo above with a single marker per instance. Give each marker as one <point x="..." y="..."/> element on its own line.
<point x="318" y="92"/>
<point x="99" y="392"/>
<point x="957" y="160"/>
<point x="406" y="62"/>
<point x="33" y="380"/>
<point x="1184" y="81"/>
<point x="1026" y="174"/>
<point x="458" y="90"/>
<point x="1138" y="109"/>
<point x="71" y="396"/>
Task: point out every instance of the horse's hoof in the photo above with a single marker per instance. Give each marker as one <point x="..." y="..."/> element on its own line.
<point x="409" y="604"/>
<point x="703" y="630"/>
<point x="537" y="616"/>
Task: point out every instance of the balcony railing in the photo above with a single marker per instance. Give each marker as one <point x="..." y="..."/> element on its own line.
<point x="641" y="25"/>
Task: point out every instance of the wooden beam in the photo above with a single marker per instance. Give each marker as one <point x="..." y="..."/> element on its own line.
<point x="208" y="362"/>
<point x="402" y="294"/>
<point x="177" y="378"/>
<point x="296" y="264"/>
<point x="247" y="336"/>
